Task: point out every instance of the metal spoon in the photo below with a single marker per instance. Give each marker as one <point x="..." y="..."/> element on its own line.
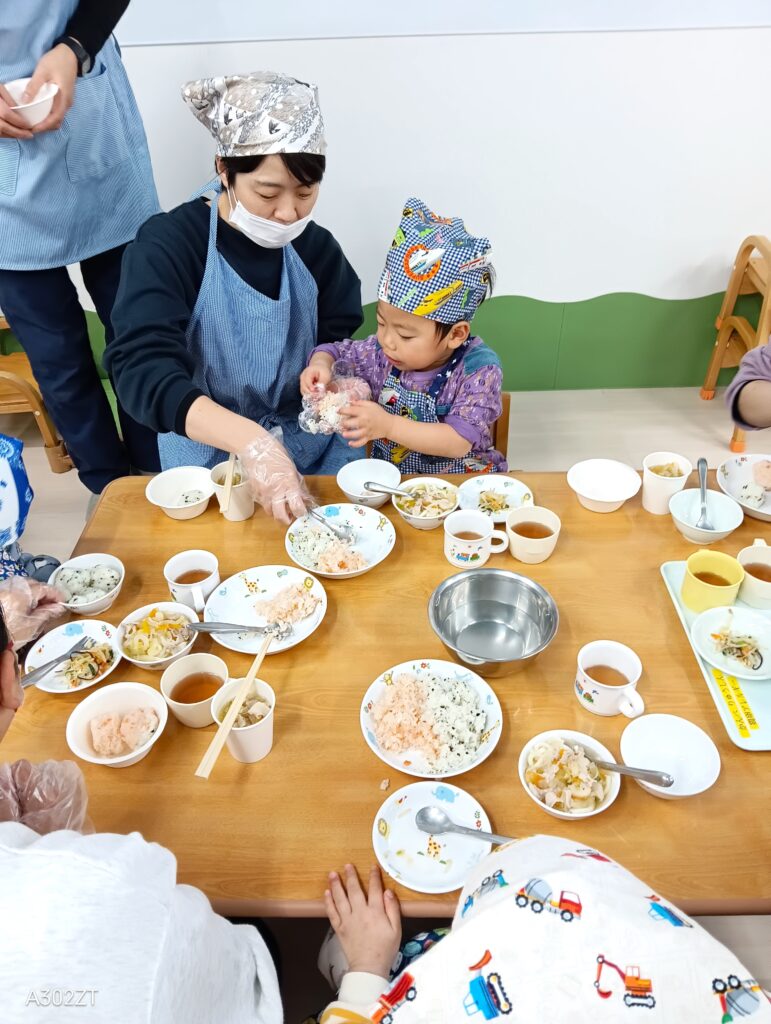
<point x="343" y="533"/>
<point x="227" y="627"/>
<point x="703" y="522"/>
<point x="646" y="774"/>
<point x="376" y="488"/>
<point x="38" y="673"/>
<point x="434" y="821"/>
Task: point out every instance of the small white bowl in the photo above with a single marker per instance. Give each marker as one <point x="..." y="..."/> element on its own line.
<point x="39" y="107"/>
<point x="199" y="714"/>
<point x="603" y="485"/>
<point x="86" y="562"/>
<point x="593" y="748"/>
<point x="426" y="522"/>
<point x="170" y="607"/>
<point x="352" y="477"/>
<point x="166" y="489"/>
<point x="725" y="513"/>
<point x="120" y="698"/>
<point x="674" y="745"/>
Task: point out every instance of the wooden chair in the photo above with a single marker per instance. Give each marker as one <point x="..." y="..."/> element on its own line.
<point x="19" y="393"/>
<point x="736" y="336"/>
<point x="501" y="426"/>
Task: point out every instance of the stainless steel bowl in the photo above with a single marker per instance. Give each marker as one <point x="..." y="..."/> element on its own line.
<point x="493" y="620"/>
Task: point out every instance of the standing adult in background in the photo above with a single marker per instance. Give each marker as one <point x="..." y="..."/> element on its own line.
<point x="73" y="189"/>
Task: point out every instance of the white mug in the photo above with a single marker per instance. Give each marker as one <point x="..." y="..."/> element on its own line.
<point x="466" y="552"/>
<point x="755" y="592"/>
<point x="657" y="490"/>
<point x="194" y="595"/>
<point x="532" y="550"/>
<point x="603" y="698"/>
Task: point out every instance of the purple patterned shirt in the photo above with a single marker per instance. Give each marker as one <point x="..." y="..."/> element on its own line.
<point x="471" y="395"/>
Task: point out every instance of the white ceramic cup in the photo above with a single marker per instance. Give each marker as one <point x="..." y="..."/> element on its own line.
<point x="465" y="553"/>
<point x="241" y="500"/>
<point x="657" y="490"/>
<point x="253" y="742"/>
<point x="193" y="595"/>
<point x="599" y="698"/>
<point x="755" y="592"/>
<point x="532" y="549"/>
<point x="197" y="715"/>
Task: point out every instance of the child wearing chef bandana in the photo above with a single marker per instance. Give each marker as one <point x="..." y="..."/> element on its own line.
<point x="436" y="388"/>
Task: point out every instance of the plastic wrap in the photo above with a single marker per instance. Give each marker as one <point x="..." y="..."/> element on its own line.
<point x="273" y="478"/>
<point x="321" y="408"/>
<point x="30" y="608"/>
<point x="45" y="797"/>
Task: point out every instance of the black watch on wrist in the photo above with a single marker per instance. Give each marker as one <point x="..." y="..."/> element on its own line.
<point x="85" y="63"/>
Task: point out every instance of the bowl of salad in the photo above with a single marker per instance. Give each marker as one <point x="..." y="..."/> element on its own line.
<point x="155" y="635"/>
<point x="429" y="503"/>
<point x="558" y="772"/>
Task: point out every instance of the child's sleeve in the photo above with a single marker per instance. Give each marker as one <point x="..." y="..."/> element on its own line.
<point x="477" y="405"/>
<point x="365" y="358"/>
<point x="756" y="365"/>
<point x="358" y="993"/>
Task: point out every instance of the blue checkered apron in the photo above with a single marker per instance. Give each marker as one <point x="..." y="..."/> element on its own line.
<point x="248" y="352"/>
<point x="69" y="194"/>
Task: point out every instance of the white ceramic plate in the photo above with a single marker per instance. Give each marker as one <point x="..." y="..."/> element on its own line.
<point x="515" y="492"/>
<point x="738" y="620"/>
<point x="60" y="640"/>
<point x="421" y="862"/>
<point x="375" y="536"/>
<point x="235" y="599"/>
<point x="737" y="471"/>
<point x="412" y="762"/>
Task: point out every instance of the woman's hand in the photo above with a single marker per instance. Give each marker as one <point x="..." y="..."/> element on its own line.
<point x="363" y="422"/>
<point x="274" y="480"/>
<point x="59" y="66"/>
<point x="29" y="608"/>
<point x="315" y="376"/>
<point x="11" y="693"/>
<point x="368" y="925"/>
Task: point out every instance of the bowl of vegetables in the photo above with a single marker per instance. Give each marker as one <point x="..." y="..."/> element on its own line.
<point x="558" y="772"/>
<point x="429" y="503"/>
<point x="155" y="635"/>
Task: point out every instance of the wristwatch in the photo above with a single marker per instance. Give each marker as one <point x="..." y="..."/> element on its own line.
<point x="84" y="59"/>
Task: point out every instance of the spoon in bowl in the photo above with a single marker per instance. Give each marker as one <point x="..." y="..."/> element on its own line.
<point x="435" y="822"/>
<point x="703" y="522"/>
<point x="645" y="774"/>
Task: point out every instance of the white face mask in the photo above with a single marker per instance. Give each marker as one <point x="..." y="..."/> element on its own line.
<point x="268" y="233"/>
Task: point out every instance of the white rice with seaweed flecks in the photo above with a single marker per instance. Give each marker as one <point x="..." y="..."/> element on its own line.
<point x="440" y="718"/>
<point x="318" y="549"/>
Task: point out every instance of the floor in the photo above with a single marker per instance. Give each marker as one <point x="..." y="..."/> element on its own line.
<point x="549" y="432"/>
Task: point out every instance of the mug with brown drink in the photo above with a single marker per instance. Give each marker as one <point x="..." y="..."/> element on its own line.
<point x="756" y="585"/>
<point x="532" y="532"/>
<point x="188" y="686"/>
<point x="191" y="576"/>
<point x="712" y="580"/>
<point x="469" y="538"/>
<point x="606" y="679"/>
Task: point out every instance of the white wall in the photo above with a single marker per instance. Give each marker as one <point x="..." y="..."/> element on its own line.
<point x="624" y="161"/>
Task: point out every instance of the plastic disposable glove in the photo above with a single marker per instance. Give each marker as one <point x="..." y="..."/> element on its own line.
<point x="274" y="480"/>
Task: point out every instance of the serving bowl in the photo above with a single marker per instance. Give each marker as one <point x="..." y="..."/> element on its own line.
<point x="166" y="490"/>
<point x="120" y="698"/>
<point x="674" y="745"/>
<point x="594" y="749"/>
<point x="493" y="620"/>
<point x="425" y="522"/>
<point x="352" y="477"/>
<point x="101" y="604"/>
<point x="603" y="485"/>
<point x="724" y="513"/>
<point x="170" y="608"/>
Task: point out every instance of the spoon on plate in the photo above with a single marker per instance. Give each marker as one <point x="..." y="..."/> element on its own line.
<point x="703" y="522"/>
<point x="39" y="673"/>
<point x="645" y="774"/>
<point x="343" y="533"/>
<point x="434" y="821"/>
<point x="233" y="627"/>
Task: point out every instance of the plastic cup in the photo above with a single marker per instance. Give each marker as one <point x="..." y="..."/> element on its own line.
<point x="241" y="500"/>
<point x="197" y="715"/>
<point x="657" y="490"/>
<point x="253" y="742"/>
<point x="532" y="550"/>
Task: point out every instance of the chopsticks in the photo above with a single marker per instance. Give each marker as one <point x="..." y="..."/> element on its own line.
<point x="229" y="473"/>
<point x="209" y="759"/>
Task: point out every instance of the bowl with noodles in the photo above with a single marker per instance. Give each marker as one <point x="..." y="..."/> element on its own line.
<point x="431" y="500"/>
<point x="558" y="772"/>
<point x="154" y="636"/>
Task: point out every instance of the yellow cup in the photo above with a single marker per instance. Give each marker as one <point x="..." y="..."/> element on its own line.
<point x="698" y="595"/>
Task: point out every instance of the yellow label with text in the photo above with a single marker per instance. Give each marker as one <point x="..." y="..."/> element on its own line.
<point x="736" y="702"/>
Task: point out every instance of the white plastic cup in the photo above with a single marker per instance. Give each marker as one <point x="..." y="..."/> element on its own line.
<point x="253" y="742"/>
<point x="755" y="592"/>
<point x="194" y="595"/>
<point x="465" y="553"/>
<point x="599" y="698"/>
<point x="657" y="490"/>
<point x="241" y="499"/>
<point x="532" y="550"/>
<point x="197" y="715"/>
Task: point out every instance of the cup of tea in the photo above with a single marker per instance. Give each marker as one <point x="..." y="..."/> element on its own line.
<point x="188" y="686"/>
<point x="248" y="742"/>
<point x="712" y="580"/>
<point x="469" y="538"/>
<point x="756" y="586"/>
<point x="241" y="499"/>
<point x="532" y="532"/>
<point x="664" y="474"/>
<point x="606" y="679"/>
<point x="191" y="576"/>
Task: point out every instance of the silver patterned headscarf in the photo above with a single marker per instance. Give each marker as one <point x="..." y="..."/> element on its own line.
<point x="258" y="113"/>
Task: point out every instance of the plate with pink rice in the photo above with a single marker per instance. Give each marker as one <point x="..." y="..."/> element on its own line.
<point x="431" y="719"/>
<point x="314" y="548"/>
<point x="268" y="593"/>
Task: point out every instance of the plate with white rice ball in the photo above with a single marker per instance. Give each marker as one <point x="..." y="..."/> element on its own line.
<point x="747" y="479"/>
<point x="431" y="719"/>
<point x="267" y="593"/>
<point x="313" y="547"/>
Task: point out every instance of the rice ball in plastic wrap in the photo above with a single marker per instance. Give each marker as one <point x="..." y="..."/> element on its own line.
<point x="105" y="577"/>
<point x="761" y="474"/>
<point x="752" y="494"/>
<point x="321" y="409"/>
<point x="74" y="581"/>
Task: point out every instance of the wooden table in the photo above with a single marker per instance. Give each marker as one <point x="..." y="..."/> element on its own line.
<point x="259" y="839"/>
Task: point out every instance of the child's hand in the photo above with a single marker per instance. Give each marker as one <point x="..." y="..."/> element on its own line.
<point x="314" y="376"/>
<point x="364" y="421"/>
<point x="368" y="925"/>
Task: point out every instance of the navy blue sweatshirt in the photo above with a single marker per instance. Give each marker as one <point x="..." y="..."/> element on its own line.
<point x="161" y="276"/>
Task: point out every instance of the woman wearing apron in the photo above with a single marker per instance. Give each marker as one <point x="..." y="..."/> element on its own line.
<point x="73" y="190"/>
<point x="222" y="302"/>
